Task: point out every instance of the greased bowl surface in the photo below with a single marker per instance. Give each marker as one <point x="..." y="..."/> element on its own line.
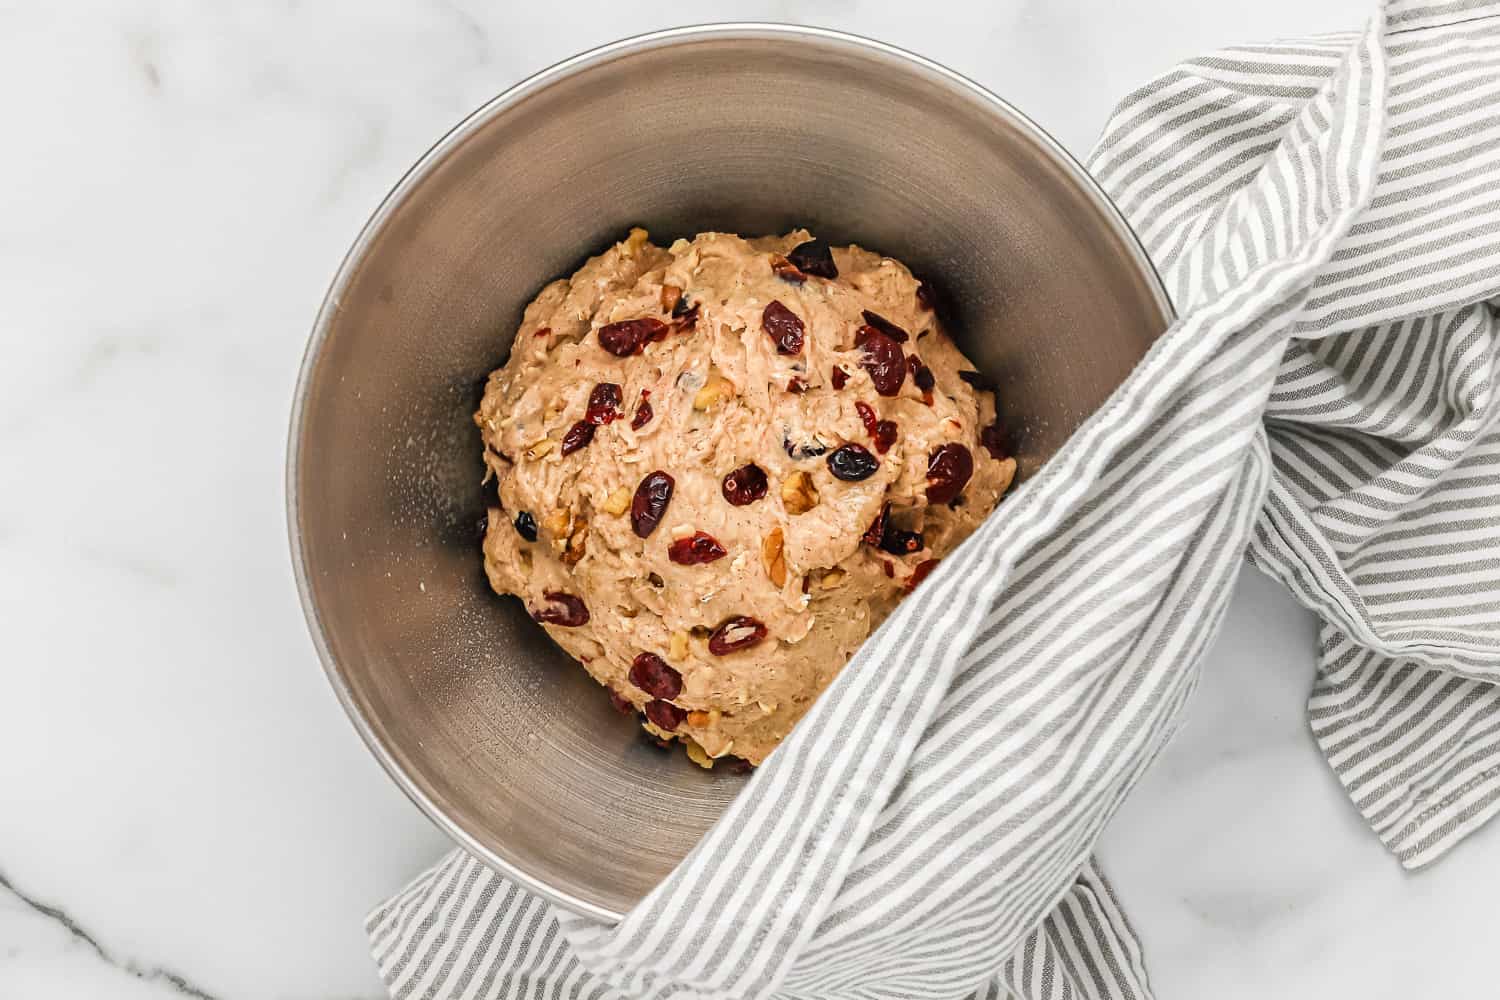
<point x="507" y="745"/>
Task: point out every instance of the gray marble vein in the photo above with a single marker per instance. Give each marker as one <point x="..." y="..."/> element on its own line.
<point x="147" y="973"/>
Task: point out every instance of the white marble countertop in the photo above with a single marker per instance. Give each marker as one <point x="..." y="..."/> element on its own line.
<point x="183" y="807"/>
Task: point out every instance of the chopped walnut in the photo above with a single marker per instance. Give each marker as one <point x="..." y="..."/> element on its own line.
<point x="798" y="493"/>
<point x="670" y="294"/>
<point x="577" y="543"/>
<point x="697" y="754"/>
<point x="772" y="555"/>
<point x="786" y="270"/>
<point x="556" y="523"/>
<point x="663" y="736"/>
<point x="715" y="390"/>
<point x="618" y="502"/>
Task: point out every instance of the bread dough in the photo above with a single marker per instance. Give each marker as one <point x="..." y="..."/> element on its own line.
<point x="723" y="395"/>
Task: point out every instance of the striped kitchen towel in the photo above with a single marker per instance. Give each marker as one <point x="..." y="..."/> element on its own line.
<point x="1326" y="216"/>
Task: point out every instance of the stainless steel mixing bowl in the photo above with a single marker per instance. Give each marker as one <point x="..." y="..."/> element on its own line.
<point x="509" y="746"/>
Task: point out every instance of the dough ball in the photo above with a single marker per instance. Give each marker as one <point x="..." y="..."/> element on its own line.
<point x="720" y="465"/>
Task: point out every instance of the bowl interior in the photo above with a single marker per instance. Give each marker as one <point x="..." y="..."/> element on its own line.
<point x="490" y="728"/>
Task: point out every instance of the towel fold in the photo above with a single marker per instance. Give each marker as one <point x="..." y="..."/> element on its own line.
<point x="1326" y="216"/>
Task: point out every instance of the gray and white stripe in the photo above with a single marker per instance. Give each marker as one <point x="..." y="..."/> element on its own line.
<point x="1326" y="215"/>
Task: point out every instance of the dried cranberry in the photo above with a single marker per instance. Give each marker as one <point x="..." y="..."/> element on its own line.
<point x="665" y="715"/>
<point x="926" y="296"/>
<point x="687" y="320"/>
<point x="578" y="436"/>
<point x="883" y="360"/>
<point x="545" y="331"/>
<point x="630" y="336"/>
<point x="735" y="634"/>
<point x="604" y="404"/>
<point x="977" y="380"/>
<point x="745" y="485"/>
<point x="921" y="374"/>
<point x="736" y="765"/>
<point x="814" y="257"/>
<point x="886" y="327"/>
<point x="993" y="439"/>
<point x="840" y="377"/>
<point x="620" y="702"/>
<point x="920" y="573"/>
<point x="643" y="412"/>
<point x="696" y="548"/>
<point x="811" y="448"/>
<point x="899" y="542"/>
<point x="652" y="675"/>
<point x="565" y="610"/>
<point x="796" y="386"/>
<point x="783" y="327"/>
<point x="786" y="270"/>
<point x="650" y="502"/>
<point x="886" y="537"/>
<point x="851" y="463"/>
<point x="949" y="467"/>
<point x="882" y="431"/>
<point x="526" y="526"/>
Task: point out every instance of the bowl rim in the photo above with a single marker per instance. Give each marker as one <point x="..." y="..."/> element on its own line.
<point x="419" y="172"/>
